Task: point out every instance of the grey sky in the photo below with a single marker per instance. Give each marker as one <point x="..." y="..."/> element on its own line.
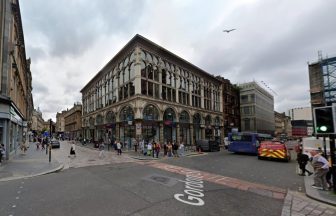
<point x="69" y="41"/>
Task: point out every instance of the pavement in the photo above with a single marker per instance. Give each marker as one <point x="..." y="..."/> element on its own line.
<point x="36" y="162"/>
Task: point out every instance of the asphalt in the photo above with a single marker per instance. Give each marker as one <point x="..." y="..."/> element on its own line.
<point x="36" y="162"/>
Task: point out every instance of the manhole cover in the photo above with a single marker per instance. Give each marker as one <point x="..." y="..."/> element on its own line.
<point x="161" y="180"/>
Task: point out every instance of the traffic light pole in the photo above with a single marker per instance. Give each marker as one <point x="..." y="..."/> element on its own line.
<point x="333" y="160"/>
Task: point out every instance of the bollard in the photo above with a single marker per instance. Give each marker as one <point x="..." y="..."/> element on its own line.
<point x="49" y="153"/>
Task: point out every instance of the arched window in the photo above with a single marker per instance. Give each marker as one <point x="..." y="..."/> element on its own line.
<point x="150" y="113"/>
<point x="197" y="119"/>
<point x="184" y="117"/>
<point x="110" y="117"/>
<point x="169" y="115"/>
<point x="208" y="120"/>
<point x="126" y="114"/>
<point x="99" y="119"/>
<point x="217" y="121"/>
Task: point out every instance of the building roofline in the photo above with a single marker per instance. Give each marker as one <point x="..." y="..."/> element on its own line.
<point x="142" y="40"/>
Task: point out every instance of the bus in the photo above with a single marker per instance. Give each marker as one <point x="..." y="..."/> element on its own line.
<point x="246" y="142"/>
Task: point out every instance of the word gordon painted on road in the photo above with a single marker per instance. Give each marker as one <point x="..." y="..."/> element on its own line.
<point x="193" y="192"/>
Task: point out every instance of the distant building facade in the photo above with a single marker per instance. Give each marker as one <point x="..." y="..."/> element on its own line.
<point x="37" y="122"/>
<point x="300" y="113"/>
<point x="16" y="100"/>
<point x="73" y="122"/>
<point x="322" y="81"/>
<point x="147" y="92"/>
<point x="283" y="127"/>
<point x="231" y="106"/>
<point x="60" y="123"/>
<point x="256" y="109"/>
<point x="302" y="128"/>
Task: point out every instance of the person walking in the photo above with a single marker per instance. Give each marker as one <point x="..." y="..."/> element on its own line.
<point x="149" y="148"/>
<point x="170" y="149"/>
<point x="2" y="152"/>
<point x="175" y="148"/>
<point x="165" y="149"/>
<point x="302" y="160"/>
<point x="101" y="149"/>
<point x="321" y="168"/>
<point x="157" y="149"/>
<point x="136" y="143"/>
<point x="118" y="147"/>
<point x="181" y="149"/>
<point x="72" y="150"/>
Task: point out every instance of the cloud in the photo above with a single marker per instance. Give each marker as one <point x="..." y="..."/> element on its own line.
<point x="70" y="41"/>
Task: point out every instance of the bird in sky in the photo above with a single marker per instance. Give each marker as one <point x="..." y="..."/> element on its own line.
<point x="228" y="31"/>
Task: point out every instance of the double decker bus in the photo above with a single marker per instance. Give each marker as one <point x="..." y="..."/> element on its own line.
<point x="246" y="142"/>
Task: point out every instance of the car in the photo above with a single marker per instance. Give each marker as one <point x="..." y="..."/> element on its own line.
<point x="273" y="150"/>
<point x="55" y="144"/>
<point x="207" y="145"/>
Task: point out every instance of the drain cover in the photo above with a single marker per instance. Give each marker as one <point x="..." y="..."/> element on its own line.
<point x="91" y="160"/>
<point x="161" y="179"/>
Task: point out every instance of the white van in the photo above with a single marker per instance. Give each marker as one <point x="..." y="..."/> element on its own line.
<point x="313" y="143"/>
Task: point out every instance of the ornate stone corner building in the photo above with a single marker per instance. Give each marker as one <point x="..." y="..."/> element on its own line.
<point x="146" y="92"/>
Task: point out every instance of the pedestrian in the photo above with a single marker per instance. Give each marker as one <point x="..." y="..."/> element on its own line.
<point x="149" y="148"/>
<point x="72" y="150"/>
<point x="43" y="143"/>
<point x="37" y="146"/>
<point x="101" y="149"/>
<point x="2" y="152"/>
<point x="302" y="160"/>
<point x="119" y="147"/>
<point x="181" y="149"/>
<point x="329" y="174"/>
<point x="175" y="148"/>
<point x="23" y="147"/>
<point x="136" y="143"/>
<point x="165" y="149"/>
<point x="154" y="148"/>
<point x="157" y="149"/>
<point x="321" y="168"/>
<point x="142" y="146"/>
<point x="170" y="149"/>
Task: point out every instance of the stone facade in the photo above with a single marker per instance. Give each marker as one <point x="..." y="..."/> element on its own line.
<point x="73" y="122"/>
<point x="146" y="92"/>
<point x="16" y="100"/>
<point x="283" y="127"/>
<point x="37" y="122"/>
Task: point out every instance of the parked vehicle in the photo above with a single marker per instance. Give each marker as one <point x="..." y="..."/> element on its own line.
<point x="207" y="145"/>
<point x="55" y="144"/>
<point x="273" y="150"/>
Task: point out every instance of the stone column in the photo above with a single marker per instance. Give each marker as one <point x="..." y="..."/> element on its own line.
<point x="192" y="134"/>
<point x="137" y="71"/>
<point x="178" y="139"/>
<point x="161" y="133"/>
<point x="202" y="93"/>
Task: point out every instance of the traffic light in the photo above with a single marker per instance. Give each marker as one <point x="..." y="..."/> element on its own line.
<point x="324" y="121"/>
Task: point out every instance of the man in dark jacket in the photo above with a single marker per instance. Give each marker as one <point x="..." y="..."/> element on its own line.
<point x="303" y="160"/>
